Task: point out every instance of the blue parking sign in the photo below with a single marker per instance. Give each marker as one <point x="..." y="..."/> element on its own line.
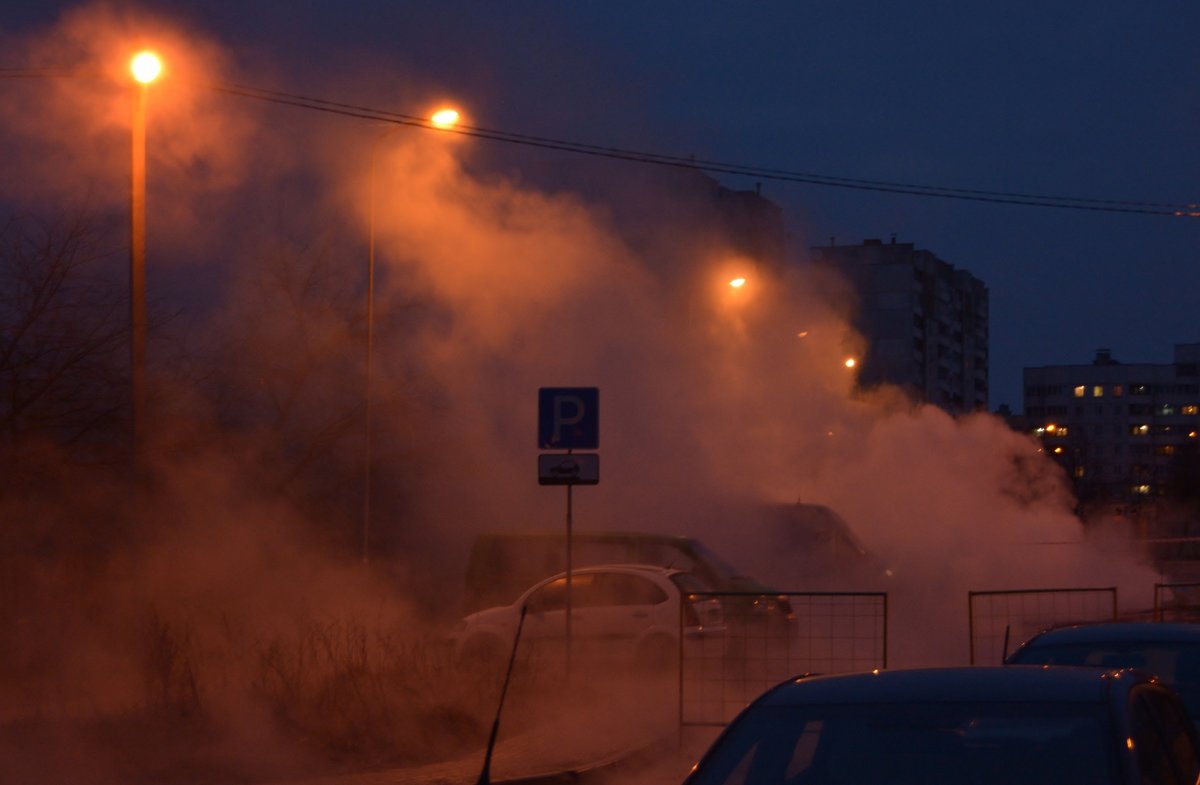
<point x="568" y="418"/>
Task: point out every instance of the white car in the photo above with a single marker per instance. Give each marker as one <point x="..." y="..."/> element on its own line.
<point x="624" y="614"/>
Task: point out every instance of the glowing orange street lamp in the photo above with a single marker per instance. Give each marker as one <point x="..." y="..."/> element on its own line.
<point x="442" y="118"/>
<point x="445" y="118"/>
<point x="850" y="362"/>
<point x="145" y="68"/>
<point x="737" y="283"/>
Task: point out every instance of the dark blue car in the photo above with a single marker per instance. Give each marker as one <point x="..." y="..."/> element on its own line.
<point x="1169" y="651"/>
<point x="960" y="726"/>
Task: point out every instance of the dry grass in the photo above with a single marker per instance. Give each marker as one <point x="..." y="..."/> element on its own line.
<point x="203" y="702"/>
<point x="370" y="694"/>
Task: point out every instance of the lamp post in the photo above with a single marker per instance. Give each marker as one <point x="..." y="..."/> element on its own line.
<point x="145" y="68"/>
<point x="443" y="118"/>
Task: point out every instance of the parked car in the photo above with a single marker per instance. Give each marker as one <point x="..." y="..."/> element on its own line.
<point x="625" y="614"/>
<point x="959" y="726"/>
<point x="1169" y="651"/>
<point x="503" y="564"/>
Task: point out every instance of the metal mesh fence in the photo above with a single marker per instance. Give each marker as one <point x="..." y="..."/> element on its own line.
<point x="1177" y="602"/>
<point x="770" y="638"/>
<point x="1000" y="620"/>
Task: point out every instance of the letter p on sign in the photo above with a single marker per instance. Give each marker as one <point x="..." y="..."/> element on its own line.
<point x="568" y="418"/>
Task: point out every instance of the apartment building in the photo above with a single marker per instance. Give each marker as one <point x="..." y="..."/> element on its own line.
<point x="925" y="321"/>
<point x="1125" y="432"/>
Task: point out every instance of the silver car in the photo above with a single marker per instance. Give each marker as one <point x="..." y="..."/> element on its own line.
<point x="624" y="614"/>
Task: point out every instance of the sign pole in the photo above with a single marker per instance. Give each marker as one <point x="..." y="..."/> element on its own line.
<point x="568" y="419"/>
<point x="569" y="582"/>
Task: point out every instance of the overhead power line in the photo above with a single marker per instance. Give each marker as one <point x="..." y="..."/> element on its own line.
<point x="1169" y="209"/>
<point x="717" y="167"/>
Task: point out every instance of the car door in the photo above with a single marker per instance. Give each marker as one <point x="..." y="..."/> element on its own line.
<point x="546" y="614"/>
<point x="624" y="607"/>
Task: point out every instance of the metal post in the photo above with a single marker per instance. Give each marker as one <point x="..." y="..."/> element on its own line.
<point x="569" y="581"/>
<point x="137" y="275"/>
<point x="367" y="391"/>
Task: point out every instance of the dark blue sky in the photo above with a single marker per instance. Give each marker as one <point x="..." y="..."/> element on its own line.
<point x="1079" y="99"/>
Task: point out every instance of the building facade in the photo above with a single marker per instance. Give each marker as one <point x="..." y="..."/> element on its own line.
<point x="1125" y="432"/>
<point x="925" y="321"/>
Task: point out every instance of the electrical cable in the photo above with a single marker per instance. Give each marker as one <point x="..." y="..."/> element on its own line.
<point x="712" y="166"/>
<point x="1188" y="210"/>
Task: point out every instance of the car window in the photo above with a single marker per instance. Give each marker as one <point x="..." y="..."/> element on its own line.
<point x="621" y="589"/>
<point x="553" y="595"/>
<point x="1170" y="661"/>
<point x="1176" y="664"/>
<point x="1163" y="742"/>
<point x="596" y="590"/>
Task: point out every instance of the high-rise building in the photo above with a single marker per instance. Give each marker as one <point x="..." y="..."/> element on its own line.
<point x="925" y="321"/>
<point x="1125" y="432"/>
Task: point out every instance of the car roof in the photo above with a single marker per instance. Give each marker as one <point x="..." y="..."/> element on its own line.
<point x="1008" y="683"/>
<point x="1116" y="632"/>
<point x="632" y="567"/>
<point x="614" y="535"/>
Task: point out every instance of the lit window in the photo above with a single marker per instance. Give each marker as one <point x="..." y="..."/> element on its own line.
<point x="1058" y="450"/>
<point x="1078" y="472"/>
<point x="1190" y="409"/>
<point x="1191" y="434"/>
<point x="1166" y="449"/>
<point x="1098" y="391"/>
<point x="1118" y="390"/>
<point x="1166" y="409"/>
<point x="1139" y="430"/>
<point x="1080" y="391"/>
<point x="1142" y="490"/>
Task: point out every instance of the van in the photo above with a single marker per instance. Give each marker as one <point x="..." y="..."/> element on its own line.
<point x="504" y="564"/>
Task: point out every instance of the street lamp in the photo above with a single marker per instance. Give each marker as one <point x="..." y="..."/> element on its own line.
<point x="145" y="68"/>
<point x="443" y="118"/>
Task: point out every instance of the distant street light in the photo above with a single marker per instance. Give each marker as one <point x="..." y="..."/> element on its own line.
<point x="145" y="68"/>
<point x="445" y="118"/>
<point x="442" y="118"/>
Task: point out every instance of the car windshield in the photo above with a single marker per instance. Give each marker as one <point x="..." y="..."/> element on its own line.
<point x="718" y="565"/>
<point x="1176" y="663"/>
<point x="914" y="744"/>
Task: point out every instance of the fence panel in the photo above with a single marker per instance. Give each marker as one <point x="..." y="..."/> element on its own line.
<point x="1000" y="620"/>
<point x="770" y="638"/>
<point x="1177" y="602"/>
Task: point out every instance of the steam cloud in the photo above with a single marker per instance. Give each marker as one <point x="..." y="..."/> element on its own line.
<point x="488" y="288"/>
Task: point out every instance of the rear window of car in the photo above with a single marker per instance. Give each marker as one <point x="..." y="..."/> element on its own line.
<point x="916" y="744"/>
<point x="1176" y="662"/>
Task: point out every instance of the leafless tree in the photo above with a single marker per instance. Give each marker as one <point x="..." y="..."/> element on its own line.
<point x="291" y="372"/>
<point x="63" y="336"/>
